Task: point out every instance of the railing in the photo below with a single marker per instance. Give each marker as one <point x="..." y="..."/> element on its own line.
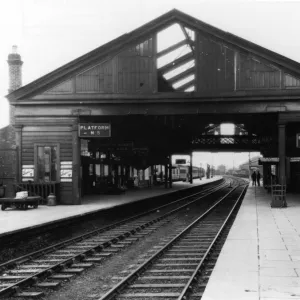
<point x="238" y="140"/>
<point x="39" y="189"/>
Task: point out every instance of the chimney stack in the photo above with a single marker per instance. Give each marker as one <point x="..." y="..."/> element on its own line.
<point x="15" y="70"/>
<point x="15" y="78"/>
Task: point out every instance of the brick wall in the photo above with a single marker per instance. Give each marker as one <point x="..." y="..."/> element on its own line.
<point x="7" y="137"/>
<point x="8" y="159"/>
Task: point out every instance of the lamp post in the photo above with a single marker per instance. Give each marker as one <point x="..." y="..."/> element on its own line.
<point x="212" y="166"/>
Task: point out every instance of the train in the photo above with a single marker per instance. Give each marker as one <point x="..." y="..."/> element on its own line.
<point x="181" y="173"/>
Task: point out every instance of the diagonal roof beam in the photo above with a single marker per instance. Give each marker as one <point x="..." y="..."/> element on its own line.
<point x="190" y="42"/>
<point x="172" y="48"/>
<point x="186" y="85"/>
<point x="182" y="75"/>
<point x="191" y="84"/>
<point x="176" y="63"/>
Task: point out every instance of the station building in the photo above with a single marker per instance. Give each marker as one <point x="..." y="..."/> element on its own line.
<point x="120" y="111"/>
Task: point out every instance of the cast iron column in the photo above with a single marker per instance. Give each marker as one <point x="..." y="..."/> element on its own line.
<point x="265" y="174"/>
<point x="170" y="173"/>
<point x="191" y="169"/>
<point x="281" y="153"/>
<point x="76" y="165"/>
<point x="279" y="200"/>
<point x="166" y="176"/>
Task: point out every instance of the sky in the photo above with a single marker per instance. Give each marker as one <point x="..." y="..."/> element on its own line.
<point x="50" y="33"/>
<point x="232" y="160"/>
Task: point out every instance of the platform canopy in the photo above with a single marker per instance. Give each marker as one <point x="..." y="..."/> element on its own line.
<point x="174" y="56"/>
<point x="167" y="81"/>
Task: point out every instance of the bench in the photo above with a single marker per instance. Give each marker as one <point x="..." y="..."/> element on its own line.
<point x="20" y="203"/>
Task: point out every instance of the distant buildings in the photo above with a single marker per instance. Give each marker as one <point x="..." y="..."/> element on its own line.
<point x="253" y="165"/>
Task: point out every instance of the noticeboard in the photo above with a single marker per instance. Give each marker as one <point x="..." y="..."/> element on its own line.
<point x="94" y="130"/>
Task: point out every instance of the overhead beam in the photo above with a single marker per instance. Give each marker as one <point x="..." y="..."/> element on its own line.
<point x="172" y="48"/>
<point x="191" y="85"/>
<point x="190" y="42"/>
<point x="182" y="75"/>
<point x="186" y="85"/>
<point x="176" y="63"/>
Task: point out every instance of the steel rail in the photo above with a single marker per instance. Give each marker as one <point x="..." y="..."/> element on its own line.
<point x="33" y="278"/>
<point x="65" y="243"/>
<point x="188" y="288"/>
<point x="112" y="293"/>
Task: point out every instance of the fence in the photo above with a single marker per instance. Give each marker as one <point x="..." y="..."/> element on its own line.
<point x="39" y="189"/>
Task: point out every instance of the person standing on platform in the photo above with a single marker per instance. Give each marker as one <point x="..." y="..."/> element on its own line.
<point x="253" y="176"/>
<point x="258" y="178"/>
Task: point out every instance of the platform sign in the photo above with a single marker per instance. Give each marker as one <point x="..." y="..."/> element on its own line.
<point x="268" y="160"/>
<point x="140" y="151"/>
<point x="94" y="130"/>
<point x="295" y="159"/>
<point x="120" y="147"/>
<point x="298" y="140"/>
<point x="180" y="161"/>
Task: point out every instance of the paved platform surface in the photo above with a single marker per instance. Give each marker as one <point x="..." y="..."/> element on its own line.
<point x="261" y="256"/>
<point x="14" y="220"/>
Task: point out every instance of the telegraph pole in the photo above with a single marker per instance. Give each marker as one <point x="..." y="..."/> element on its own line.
<point x="249" y="168"/>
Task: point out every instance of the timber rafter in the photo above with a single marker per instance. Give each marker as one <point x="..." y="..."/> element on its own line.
<point x="176" y="63"/>
<point x="187" y="85"/>
<point x="190" y="42"/>
<point x="172" y="48"/>
<point x="182" y="75"/>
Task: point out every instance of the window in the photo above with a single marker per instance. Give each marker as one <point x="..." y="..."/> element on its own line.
<point x="47" y="163"/>
<point x="91" y="169"/>
<point x="106" y="170"/>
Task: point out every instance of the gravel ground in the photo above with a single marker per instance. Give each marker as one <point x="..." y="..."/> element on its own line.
<point x="23" y="247"/>
<point x="98" y="280"/>
<point x="56" y="235"/>
<point x="94" y="282"/>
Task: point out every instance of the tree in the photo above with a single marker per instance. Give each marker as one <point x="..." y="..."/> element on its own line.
<point x="221" y="170"/>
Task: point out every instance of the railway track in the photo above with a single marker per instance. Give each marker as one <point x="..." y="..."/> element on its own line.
<point x="48" y="267"/>
<point x="173" y="271"/>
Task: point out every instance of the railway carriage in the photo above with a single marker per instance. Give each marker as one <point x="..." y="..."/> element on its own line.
<point x="181" y="173"/>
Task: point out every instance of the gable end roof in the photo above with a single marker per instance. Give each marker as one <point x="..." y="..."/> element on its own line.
<point x="113" y="47"/>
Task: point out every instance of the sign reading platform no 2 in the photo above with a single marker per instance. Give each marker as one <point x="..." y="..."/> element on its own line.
<point x="94" y="130"/>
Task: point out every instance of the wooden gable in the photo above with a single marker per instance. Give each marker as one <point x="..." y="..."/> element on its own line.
<point x="174" y="53"/>
<point x="291" y="81"/>
<point x="130" y="71"/>
<point x="254" y="74"/>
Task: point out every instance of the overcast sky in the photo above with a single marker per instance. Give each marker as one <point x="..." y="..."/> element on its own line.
<point x="50" y="33"/>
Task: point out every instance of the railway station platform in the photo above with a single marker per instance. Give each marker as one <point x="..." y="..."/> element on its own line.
<point x="260" y="259"/>
<point x="12" y="220"/>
